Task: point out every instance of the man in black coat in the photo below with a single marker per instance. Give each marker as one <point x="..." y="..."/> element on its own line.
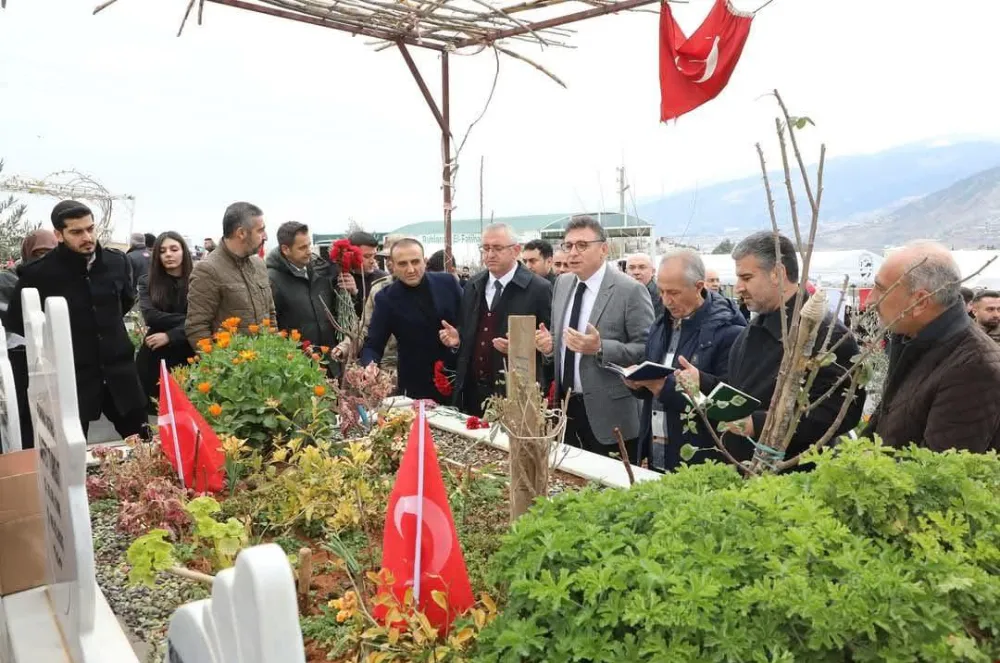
<point x="505" y="288"/>
<point x="765" y="285"/>
<point x="413" y="309"/>
<point x="97" y="285"/>
<point x="298" y="282"/>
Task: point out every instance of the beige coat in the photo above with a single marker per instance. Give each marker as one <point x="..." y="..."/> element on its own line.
<point x="226" y="286"/>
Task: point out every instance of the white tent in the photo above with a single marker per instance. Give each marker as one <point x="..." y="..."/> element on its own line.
<point x="826" y="268"/>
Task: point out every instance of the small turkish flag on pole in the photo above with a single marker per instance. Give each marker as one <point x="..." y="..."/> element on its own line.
<point x="694" y="69"/>
<point x="184" y="435"/>
<point x="420" y="546"/>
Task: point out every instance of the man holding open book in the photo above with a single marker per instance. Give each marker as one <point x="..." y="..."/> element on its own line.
<point x="698" y="324"/>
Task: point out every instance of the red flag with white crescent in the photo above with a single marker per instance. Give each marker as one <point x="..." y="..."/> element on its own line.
<point x="420" y="546"/>
<point x="184" y="434"/>
<point x="695" y="69"/>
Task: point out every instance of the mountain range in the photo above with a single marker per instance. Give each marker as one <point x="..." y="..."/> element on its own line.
<point x="944" y="191"/>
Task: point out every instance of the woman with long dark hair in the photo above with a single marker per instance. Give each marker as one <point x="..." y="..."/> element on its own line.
<point x="163" y="302"/>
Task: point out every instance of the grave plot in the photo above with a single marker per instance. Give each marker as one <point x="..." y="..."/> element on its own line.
<point x="314" y="485"/>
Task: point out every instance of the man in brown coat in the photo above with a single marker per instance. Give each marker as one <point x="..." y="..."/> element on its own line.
<point x="944" y="372"/>
<point x="231" y="282"/>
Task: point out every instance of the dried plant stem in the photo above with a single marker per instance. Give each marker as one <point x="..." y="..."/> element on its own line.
<point x="624" y="454"/>
<point x="189" y="574"/>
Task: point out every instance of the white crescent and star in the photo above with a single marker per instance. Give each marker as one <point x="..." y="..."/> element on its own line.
<point x="437" y="523"/>
<point x="711" y="62"/>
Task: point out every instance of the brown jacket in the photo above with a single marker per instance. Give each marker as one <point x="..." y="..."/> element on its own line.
<point x="226" y="286"/>
<point x="942" y="390"/>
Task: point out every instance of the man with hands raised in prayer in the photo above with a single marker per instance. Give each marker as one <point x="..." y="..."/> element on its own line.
<point x="413" y="309"/>
<point x="598" y="315"/>
<point x="505" y="288"/>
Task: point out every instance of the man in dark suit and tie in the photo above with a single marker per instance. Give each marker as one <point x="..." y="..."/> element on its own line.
<point x="505" y="288"/>
<point x="413" y="309"/>
<point x="599" y="315"/>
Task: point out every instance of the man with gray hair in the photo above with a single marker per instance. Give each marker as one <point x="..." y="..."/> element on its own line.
<point x="505" y="288"/>
<point x="640" y="267"/>
<point x="700" y="324"/>
<point x="232" y="281"/>
<point x="944" y="371"/>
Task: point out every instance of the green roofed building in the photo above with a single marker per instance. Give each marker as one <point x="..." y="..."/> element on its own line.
<point x="627" y="233"/>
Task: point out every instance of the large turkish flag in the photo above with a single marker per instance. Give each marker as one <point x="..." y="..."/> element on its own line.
<point x="694" y="69"/>
<point x="420" y="533"/>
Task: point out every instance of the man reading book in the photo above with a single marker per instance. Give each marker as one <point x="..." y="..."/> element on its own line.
<point x="698" y="323"/>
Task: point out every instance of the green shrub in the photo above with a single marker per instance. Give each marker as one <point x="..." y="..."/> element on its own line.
<point x="261" y="386"/>
<point x="876" y="555"/>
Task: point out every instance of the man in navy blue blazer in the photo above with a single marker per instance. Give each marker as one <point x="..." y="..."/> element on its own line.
<point x="414" y="309"/>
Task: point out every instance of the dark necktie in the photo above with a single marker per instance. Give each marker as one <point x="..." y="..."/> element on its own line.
<point x="569" y="363"/>
<point x="497" y="289"/>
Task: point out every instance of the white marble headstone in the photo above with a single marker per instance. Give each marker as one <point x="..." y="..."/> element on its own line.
<point x="10" y="422"/>
<point x="62" y="454"/>
<point x="252" y="617"/>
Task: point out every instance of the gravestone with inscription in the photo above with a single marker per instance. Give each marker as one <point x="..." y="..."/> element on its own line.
<point x="252" y="616"/>
<point x="10" y="422"/>
<point x="62" y="452"/>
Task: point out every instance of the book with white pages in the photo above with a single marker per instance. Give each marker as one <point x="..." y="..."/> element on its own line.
<point x="647" y="370"/>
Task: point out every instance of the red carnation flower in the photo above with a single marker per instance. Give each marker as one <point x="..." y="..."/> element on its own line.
<point x="441" y="381"/>
<point x="345" y="254"/>
<point x="552" y="394"/>
<point x="472" y="423"/>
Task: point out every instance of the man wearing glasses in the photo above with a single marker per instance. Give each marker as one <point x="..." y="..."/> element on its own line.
<point x="505" y="288"/>
<point x="599" y="315"/>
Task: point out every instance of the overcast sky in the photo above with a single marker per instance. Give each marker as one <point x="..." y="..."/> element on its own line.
<point x="317" y="126"/>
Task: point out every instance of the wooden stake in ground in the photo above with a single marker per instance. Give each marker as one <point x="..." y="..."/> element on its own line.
<point x="528" y="459"/>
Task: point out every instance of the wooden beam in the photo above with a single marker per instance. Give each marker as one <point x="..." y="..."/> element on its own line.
<point x="613" y="8"/>
<point x="521" y="351"/>
<point x="428" y="97"/>
<point x="327" y="23"/>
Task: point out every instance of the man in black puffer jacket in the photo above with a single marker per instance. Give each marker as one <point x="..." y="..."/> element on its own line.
<point x="700" y="325"/>
<point x="298" y="282"/>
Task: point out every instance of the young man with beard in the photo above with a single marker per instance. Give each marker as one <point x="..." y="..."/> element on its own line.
<point x="537" y="256"/>
<point x="97" y="285"/>
<point x="986" y="311"/>
<point x="231" y="282"/>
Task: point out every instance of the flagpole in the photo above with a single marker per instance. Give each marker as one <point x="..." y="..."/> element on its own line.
<point x="420" y="503"/>
<point x="165" y="381"/>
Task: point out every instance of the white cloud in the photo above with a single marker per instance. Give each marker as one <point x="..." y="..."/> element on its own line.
<point x="315" y="125"/>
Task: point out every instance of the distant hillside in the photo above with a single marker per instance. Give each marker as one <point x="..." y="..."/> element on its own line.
<point x="965" y="215"/>
<point x="855" y="188"/>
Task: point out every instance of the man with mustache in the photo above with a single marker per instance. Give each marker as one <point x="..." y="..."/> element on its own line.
<point x="97" y="284"/>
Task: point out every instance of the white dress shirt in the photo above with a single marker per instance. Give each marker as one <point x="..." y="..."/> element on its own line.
<point x="586" y="307"/>
<point x="491" y="285"/>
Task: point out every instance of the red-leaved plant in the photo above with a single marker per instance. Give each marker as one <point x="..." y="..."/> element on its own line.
<point x="362" y="389"/>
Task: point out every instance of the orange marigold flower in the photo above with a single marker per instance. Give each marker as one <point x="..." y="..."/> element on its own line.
<point x="254" y="329"/>
<point x="231" y="324"/>
<point x="319" y="390"/>
<point x="215" y="409"/>
<point x="204" y="387"/>
<point x="283" y="334"/>
<point x="289" y="356"/>
<point x="296" y="335"/>
<point x="237" y="361"/>
<point x="266" y="322"/>
<point x="223" y="343"/>
<point x="324" y="348"/>
<point x="190" y="360"/>
<point x="315" y="356"/>
<point x="205" y="345"/>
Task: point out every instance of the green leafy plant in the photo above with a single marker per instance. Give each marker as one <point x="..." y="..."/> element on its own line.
<point x="148" y="555"/>
<point x="226" y="539"/>
<point x="261" y="385"/>
<point x="876" y="555"/>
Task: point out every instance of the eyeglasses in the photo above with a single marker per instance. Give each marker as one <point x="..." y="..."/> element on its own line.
<point x="495" y="249"/>
<point x="580" y="246"/>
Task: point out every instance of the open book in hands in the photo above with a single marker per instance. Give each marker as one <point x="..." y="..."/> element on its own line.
<point x="647" y="370"/>
<point x="725" y="403"/>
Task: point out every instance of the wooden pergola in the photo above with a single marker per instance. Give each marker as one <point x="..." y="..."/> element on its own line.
<point x="444" y="26"/>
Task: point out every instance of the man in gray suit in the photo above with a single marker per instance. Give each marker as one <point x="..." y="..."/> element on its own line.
<point x="598" y="315"/>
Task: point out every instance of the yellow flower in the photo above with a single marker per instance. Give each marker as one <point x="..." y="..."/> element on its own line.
<point x="215" y="409"/>
<point x="203" y="387"/>
<point x="319" y="390"/>
<point x="237" y="361"/>
<point x="248" y="355"/>
<point x="254" y="329"/>
<point x="296" y="336"/>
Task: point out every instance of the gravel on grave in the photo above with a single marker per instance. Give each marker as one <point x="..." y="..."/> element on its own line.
<point x="144" y="611"/>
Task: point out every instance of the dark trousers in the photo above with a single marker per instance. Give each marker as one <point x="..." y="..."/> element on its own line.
<point x="579" y="433"/>
<point x="474" y="394"/>
<point x="126" y="424"/>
